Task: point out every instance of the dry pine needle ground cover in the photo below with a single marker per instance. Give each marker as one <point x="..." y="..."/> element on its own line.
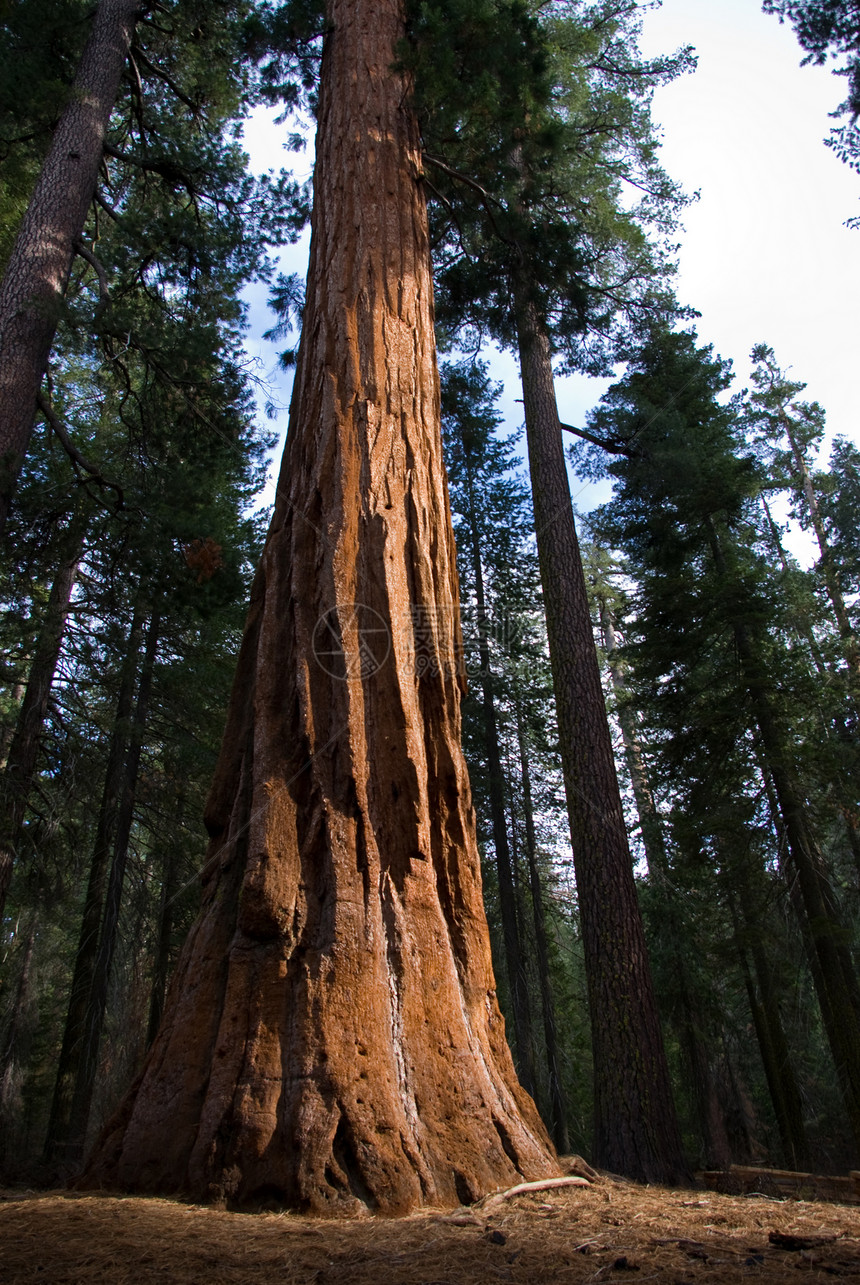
<point x="611" y="1231"/>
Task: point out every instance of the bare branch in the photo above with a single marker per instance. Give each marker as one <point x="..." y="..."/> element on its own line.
<point x="486" y="199"/>
<point x="163" y="76"/>
<point x="72" y="451"/>
<point x="614" y="445"/>
<point x="98" y="267"/>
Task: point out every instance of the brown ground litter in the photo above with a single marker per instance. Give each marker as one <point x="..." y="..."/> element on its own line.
<point x="613" y="1231"/>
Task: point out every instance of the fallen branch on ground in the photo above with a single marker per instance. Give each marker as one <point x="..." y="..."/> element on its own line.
<point x="544" y="1184"/>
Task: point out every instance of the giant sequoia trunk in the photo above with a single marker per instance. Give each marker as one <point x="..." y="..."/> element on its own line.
<point x="636" y="1129"/>
<point x="331" y="1039"/>
<point x="37" y="272"/>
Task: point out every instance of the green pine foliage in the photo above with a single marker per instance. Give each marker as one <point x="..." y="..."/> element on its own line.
<point x="830" y="29"/>
<point x="546" y="161"/>
<point x="702" y="572"/>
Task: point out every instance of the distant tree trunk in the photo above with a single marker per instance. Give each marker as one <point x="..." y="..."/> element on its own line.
<point x="830" y="572"/>
<point x="38" y="269"/>
<point x="103" y="963"/>
<point x="842" y="788"/>
<point x="833" y="970"/>
<point x="773" y="1047"/>
<point x="7" y="732"/>
<point x="331" y="1038"/>
<point x="685" y="1020"/>
<point x="558" y="1105"/>
<point x="57" y="1141"/>
<point x="709" y="1108"/>
<point x="636" y="1129"/>
<point x="161" y="963"/>
<point x="514" y="961"/>
<point x="650" y="825"/>
<point x="10" y="1050"/>
<point x="24" y="750"/>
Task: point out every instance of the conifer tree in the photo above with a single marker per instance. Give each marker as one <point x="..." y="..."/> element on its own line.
<point x="38" y="267"/>
<point x="477" y="465"/>
<point x="524" y="252"/>
<point x="499" y="585"/>
<point x="684" y="515"/>
<point x="830" y="29"/>
<point x="337" y="987"/>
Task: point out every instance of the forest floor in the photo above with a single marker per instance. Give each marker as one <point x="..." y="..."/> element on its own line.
<point x="611" y="1231"/>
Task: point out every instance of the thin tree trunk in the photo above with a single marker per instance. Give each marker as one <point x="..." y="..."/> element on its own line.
<point x="514" y="961"/>
<point x="745" y="908"/>
<point x="711" y="1116"/>
<point x="68" y="1068"/>
<point x="24" y="750"/>
<point x="38" y="269"/>
<point x="558" y="1105"/>
<point x="7" y="732"/>
<point x="103" y="963"/>
<point x="850" y="650"/>
<point x="685" y="1021"/>
<point x="782" y="1083"/>
<point x="842" y="792"/>
<point x="11" y="1055"/>
<point x="331" y="1037"/>
<point x="161" y="962"/>
<point x="650" y="825"/>
<point x="834" y="976"/>
<point x="636" y="1129"/>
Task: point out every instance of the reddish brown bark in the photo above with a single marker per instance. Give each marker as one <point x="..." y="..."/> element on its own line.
<point x="331" y="1039"/>
<point x="38" y="268"/>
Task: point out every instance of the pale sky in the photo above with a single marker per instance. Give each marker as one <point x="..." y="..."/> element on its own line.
<point x="764" y="256"/>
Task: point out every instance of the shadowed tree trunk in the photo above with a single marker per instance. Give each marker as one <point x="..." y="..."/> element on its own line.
<point x="12" y="1058"/>
<point x="636" y="1128"/>
<point x="103" y="963"/>
<point x="685" y="1019"/>
<point x="57" y="1139"/>
<point x="514" y="961"/>
<point x="553" y="1058"/>
<point x="773" y="1047"/>
<point x="170" y="891"/>
<point x="833" y="969"/>
<point x="650" y="825"/>
<point x="38" y="268"/>
<point x="24" y="751"/>
<point x="331" y="1038"/>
